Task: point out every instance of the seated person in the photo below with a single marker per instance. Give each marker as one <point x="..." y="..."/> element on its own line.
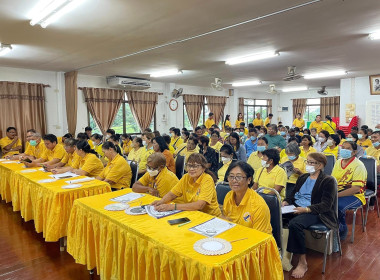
<point x="160" y="146"/>
<point x="209" y="153"/>
<point x="97" y="141"/>
<point x="176" y="139"/>
<point x="127" y="143"/>
<point x="271" y="175"/>
<point x="84" y="137"/>
<point x="307" y="146"/>
<point x="242" y="205"/>
<point x="238" y="148"/>
<point x="251" y="143"/>
<point x="353" y="137"/>
<point x="158" y="180"/>
<point x="168" y="140"/>
<point x="137" y="150"/>
<point x="147" y="138"/>
<point x="185" y="136"/>
<point x="351" y="175"/>
<point x="191" y="148"/>
<point x="313" y="197"/>
<point x="321" y="143"/>
<point x="64" y="137"/>
<point x="227" y="154"/>
<point x="53" y="153"/>
<point x="255" y="158"/>
<point x="71" y="159"/>
<point x="117" y="173"/>
<point x="196" y="189"/>
<point x="290" y="140"/>
<point x="34" y="150"/>
<point x="342" y="136"/>
<point x="374" y="150"/>
<point x="115" y="139"/>
<point x="332" y="146"/>
<point x="11" y="144"/>
<point x="363" y="141"/>
<point x="214" y="141"/>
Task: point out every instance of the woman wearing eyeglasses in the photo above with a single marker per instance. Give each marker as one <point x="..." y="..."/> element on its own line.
<point x="242" y="205"/>
<point x="196" y="189"/>
<point x="313" y="196"/>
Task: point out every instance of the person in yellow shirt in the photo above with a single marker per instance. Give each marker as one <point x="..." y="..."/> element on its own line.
<point x="210" y="121"/>
<point x="242" y="205"/>
<point x="255" y="158"/>
<point x="160" y="146"/>
<point x="63" y="138"/>
<point x="185" y="137"/>
<point x="271" y="175"/>
<point x="363" y="139"/>
<point x="239" y="120"/>
<point x="196" y="189"/>
<point x="71" y="158"/>
<point x="147" y="138"/>
<point x="329" y="125"/>
<point x="307" y="146"/>
<point x="158" y="180"/>
<point x="374" y="150"/>
<point x="115" y="139"/>
<point x="227" y="155"/>
<point x="243" y="129"/>
<point x="342" y="136"/>
<point x="137" y="150"/>
<point x="317" y="124"/>
<point x="332" y="146"/>
<point x="88" y="131"/>
<point x="11" y="144"/>
<point x="34" y="150"/>
<point x="83" y="136"/>
<point x="215" y="141"/>
<point x="176" y="139"/>
<point x="268" y="120"/>
<point x="127" y="143"/>
<point x="227" y="122"/>
<point x="258" y="122"/>
<point x="299" y="122"/>
<point x="97" y="140"/>
<point x="191" y="148"/>
<point x="117" y="173"/>
<point x="351" y="176"/>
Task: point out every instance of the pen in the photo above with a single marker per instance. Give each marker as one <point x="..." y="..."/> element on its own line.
<point x="184" y="224"/>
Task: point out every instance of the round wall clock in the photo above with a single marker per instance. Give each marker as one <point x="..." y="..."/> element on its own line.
<point x="173" y="104"/>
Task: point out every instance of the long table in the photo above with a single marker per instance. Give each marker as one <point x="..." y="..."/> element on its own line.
<point x="46" y="203"/>
<point x="122" y="246"/>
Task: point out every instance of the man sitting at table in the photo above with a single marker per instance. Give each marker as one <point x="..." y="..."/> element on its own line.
<point x="35" y="147"/>
<point x="53" y="154"/>
<point x="158" y="180"/>
<point x="10" y="144"/>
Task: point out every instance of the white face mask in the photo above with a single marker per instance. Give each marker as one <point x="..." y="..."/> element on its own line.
<point x="321" y="139"/>
<point x="264" y="163"/>
<point x="108" y="136"/>
<point x="360" y="136"/>
<point x="261" y="135"/>
<point x="310" y="169"/>
<point x="144" y="143"/>
<point x="152" y="173"/>
<point x="330" y="142"/>
<point x="226" y="160"/>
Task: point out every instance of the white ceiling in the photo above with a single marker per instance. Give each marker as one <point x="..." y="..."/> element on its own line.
<point x="326" y="35"/>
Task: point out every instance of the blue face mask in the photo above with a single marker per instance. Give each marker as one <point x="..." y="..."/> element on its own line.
<point x="376" y="144"/>
<point x="349" y="139"/>
<point x="291" y="157"/>
<point x="241" y="133"/>
<point x="253" y="138"/>
<point x="33" y="143"/>
<point x="345" y="154"/>
<point x="282" y="133"/>
<point x="260" y="148"/>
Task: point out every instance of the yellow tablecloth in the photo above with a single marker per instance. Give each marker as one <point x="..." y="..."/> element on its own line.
<point x="6" y="172"/>
<point x="46" y="203"/>
<point x="122" y="246"/>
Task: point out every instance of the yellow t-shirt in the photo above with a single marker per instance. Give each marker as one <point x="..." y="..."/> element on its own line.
<point x="202" y="189"/>
<point x="267" y="120"/>
<point x="144" y="158"/>
<point x="5" y="142"/>
<point x="119" y="172"/>
<point x="217" y="146"/>
<point x="59" y="140"/>
<point x="72" y="160"/>
<point x="58" y="152"/>
<point x="91" y="164"/>
<point x="334" y="152"/>
<point x="127" y="147"/>
<point x="277" y="176"/>
<point x="304" y="153"/>
<point x="99" y="150"/>
<point x="258" y="122"/>
<point x="329" y="126"/>
<point x="365" y="143"/>
<point x="317" y="125"/>
<point x="187" y="153"/>
<point x="222" y="171"/>
<point x="171" y="149"/>
<point x="180" y="147"/>
<point x="299" y="163"/>
<point x="90" y="143"/>
<point x="354" y="174"/>
<point x="373" y="152"/>
<point x="282" y="154"/>
<point x="209" y="123"/>
<point x="136" y="155"/>
<point x="36" y="151"/>
<point x="226" y="123"/>
<point x="252" y="211"/>
<point x="163" y="182"/>
<point x="175" y="142"/>
<point x="254" y="161"/>
<point x="299" y="123"/>
<point x="237" y="123"/>
<point x="245" y="131"/>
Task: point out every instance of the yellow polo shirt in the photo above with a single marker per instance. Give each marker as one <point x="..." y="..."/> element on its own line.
<point x="136" y="155"/>
<point x="90" y="143"/>
<point x="99" y="150"/>
<point x="209" y="123"/>
<point x="254" y="161"/>
<point x="127" y="147"/>
<point x="282" y="154"/>
<point x="317" y="125"/>
<point x="58" y="152"/>
<point x="237" y="123"/>
<point x="334" y="152"/>
<point x="304" y="153"/>
<point x="373" y="152"/>
<point x="72" y="160"/>
<point x="117" y="171"/>
<point x="276" y="176"/>
<point x="252" y="211"/>
<point x="163" y="182"/>
<point x="299" y="163"/>
<point x="258" y="122"/>
<point x="144" y="157"/>
<point x="179" y="148"/>
<point x="176" y="141"/>
<point x="299" y="123"/>
<point x="5" y="142"/>
<point x="202" y="189"/>
<point x="91" y="164"/>
<point x="226" y="123"/>
<point x="222" y="171"/>
<point x="36" y="151"/>
<point x="354" y="174"/>
<point x="217" y="146"/>
<point x="365" y="143"/>
<point x="267" y="120"/>
<point x="171" y="149"/>
<point x="329" y="126"/>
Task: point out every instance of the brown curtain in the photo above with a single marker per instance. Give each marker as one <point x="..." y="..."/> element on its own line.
<point x="269" y="106"/>
<point x="194" y="105"/>
<point x="71" y="95"/>
<point x="241" y="106"/>
<point x="299" y="106"/>
<point x="216" y="104"/>
<point x="22" y="105"/>
<point x="330" y="106"/>
<point x="103" y="104"/>
<point x="143" y="106"/>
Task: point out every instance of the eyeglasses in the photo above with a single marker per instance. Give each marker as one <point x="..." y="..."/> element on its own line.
<point x="192" y="166"/>
<point x="312" y="162"/>
<point x="238" y="178"/>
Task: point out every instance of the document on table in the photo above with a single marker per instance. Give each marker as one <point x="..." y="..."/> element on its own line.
<point x="65" y="175"/>
<point x="127" y="197"/>
<point x="287" y="209"/>
<point x="81" y="180"/>
<point x="156" y="214"/>
<point x="212" y="227"/>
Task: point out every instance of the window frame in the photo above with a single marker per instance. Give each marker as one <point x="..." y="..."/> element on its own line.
<point x="255" y="107"/>
<point x="307" y="110"/>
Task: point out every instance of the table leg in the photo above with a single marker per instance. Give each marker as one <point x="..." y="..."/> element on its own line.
<point x="62" y="244"/>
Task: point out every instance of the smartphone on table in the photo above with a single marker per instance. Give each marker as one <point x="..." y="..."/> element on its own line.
<point x="178" y="221"/>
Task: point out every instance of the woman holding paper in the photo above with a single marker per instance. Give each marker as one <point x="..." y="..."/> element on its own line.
<point x="313" y="196"/>
<point x="196" y="189"/>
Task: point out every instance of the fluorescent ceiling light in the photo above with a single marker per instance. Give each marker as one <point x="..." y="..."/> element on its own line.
<point x="48" y="11"/>
<point x="247" y="83"/>
<point x="252" y="57"/>
<point x="291" y="89"/>
<point x="325" y="74"/>
<point x="170" y="72"/>
<point x="4" y="49"/>
<point x="374" y="36"/>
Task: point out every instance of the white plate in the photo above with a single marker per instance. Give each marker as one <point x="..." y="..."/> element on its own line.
<point x="29" y="170"/>
<point x="136" y="210"/>
<point x="212" y="246"/>
<point x="8" y="162"/>
<point x="46" y="181"/>
<point x="72" y="186"/>
<point x="116" y="207"/>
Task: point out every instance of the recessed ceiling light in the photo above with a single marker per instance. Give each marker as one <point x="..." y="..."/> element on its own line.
<point x="291" y="89"/>
<point x="252" y="57"/>
<point x="374" y="36"/>
<point x="4" y="49"/>
<point x="170" y="72"/>
<point x="247" y="83"/>
<point x="326" y="74"/>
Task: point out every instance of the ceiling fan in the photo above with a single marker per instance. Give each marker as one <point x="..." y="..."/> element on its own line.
<point x="323" y="91"/>
<point x="177" y="92"/>
<point x="217" y="85"/>
<point x="272" y="89"/>
<point x="292" y="74"/>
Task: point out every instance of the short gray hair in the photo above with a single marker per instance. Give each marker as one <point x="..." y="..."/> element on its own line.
<point x="274" y="127"/>
<point x="292" y="148"/>
<point x="37" y="134"/>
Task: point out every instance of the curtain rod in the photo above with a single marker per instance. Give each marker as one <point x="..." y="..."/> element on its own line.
<point x="26" y="83"/>
<point x="159" y="93"/>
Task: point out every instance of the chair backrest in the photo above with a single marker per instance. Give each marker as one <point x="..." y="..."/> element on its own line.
<point x="274" y="203"/>
<point x="135" y="171"/>
<point x="330" y="164"/>
<point x="370" y="165"/>
<point x="179" y="166"/>
<point x="221" y="190"/>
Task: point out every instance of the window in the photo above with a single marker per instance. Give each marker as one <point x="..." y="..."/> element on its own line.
<point x="203" y="117"/>
<point x="313" y="108"/>
<point x="254" y="106"/>
<point x="124" y="121"/>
